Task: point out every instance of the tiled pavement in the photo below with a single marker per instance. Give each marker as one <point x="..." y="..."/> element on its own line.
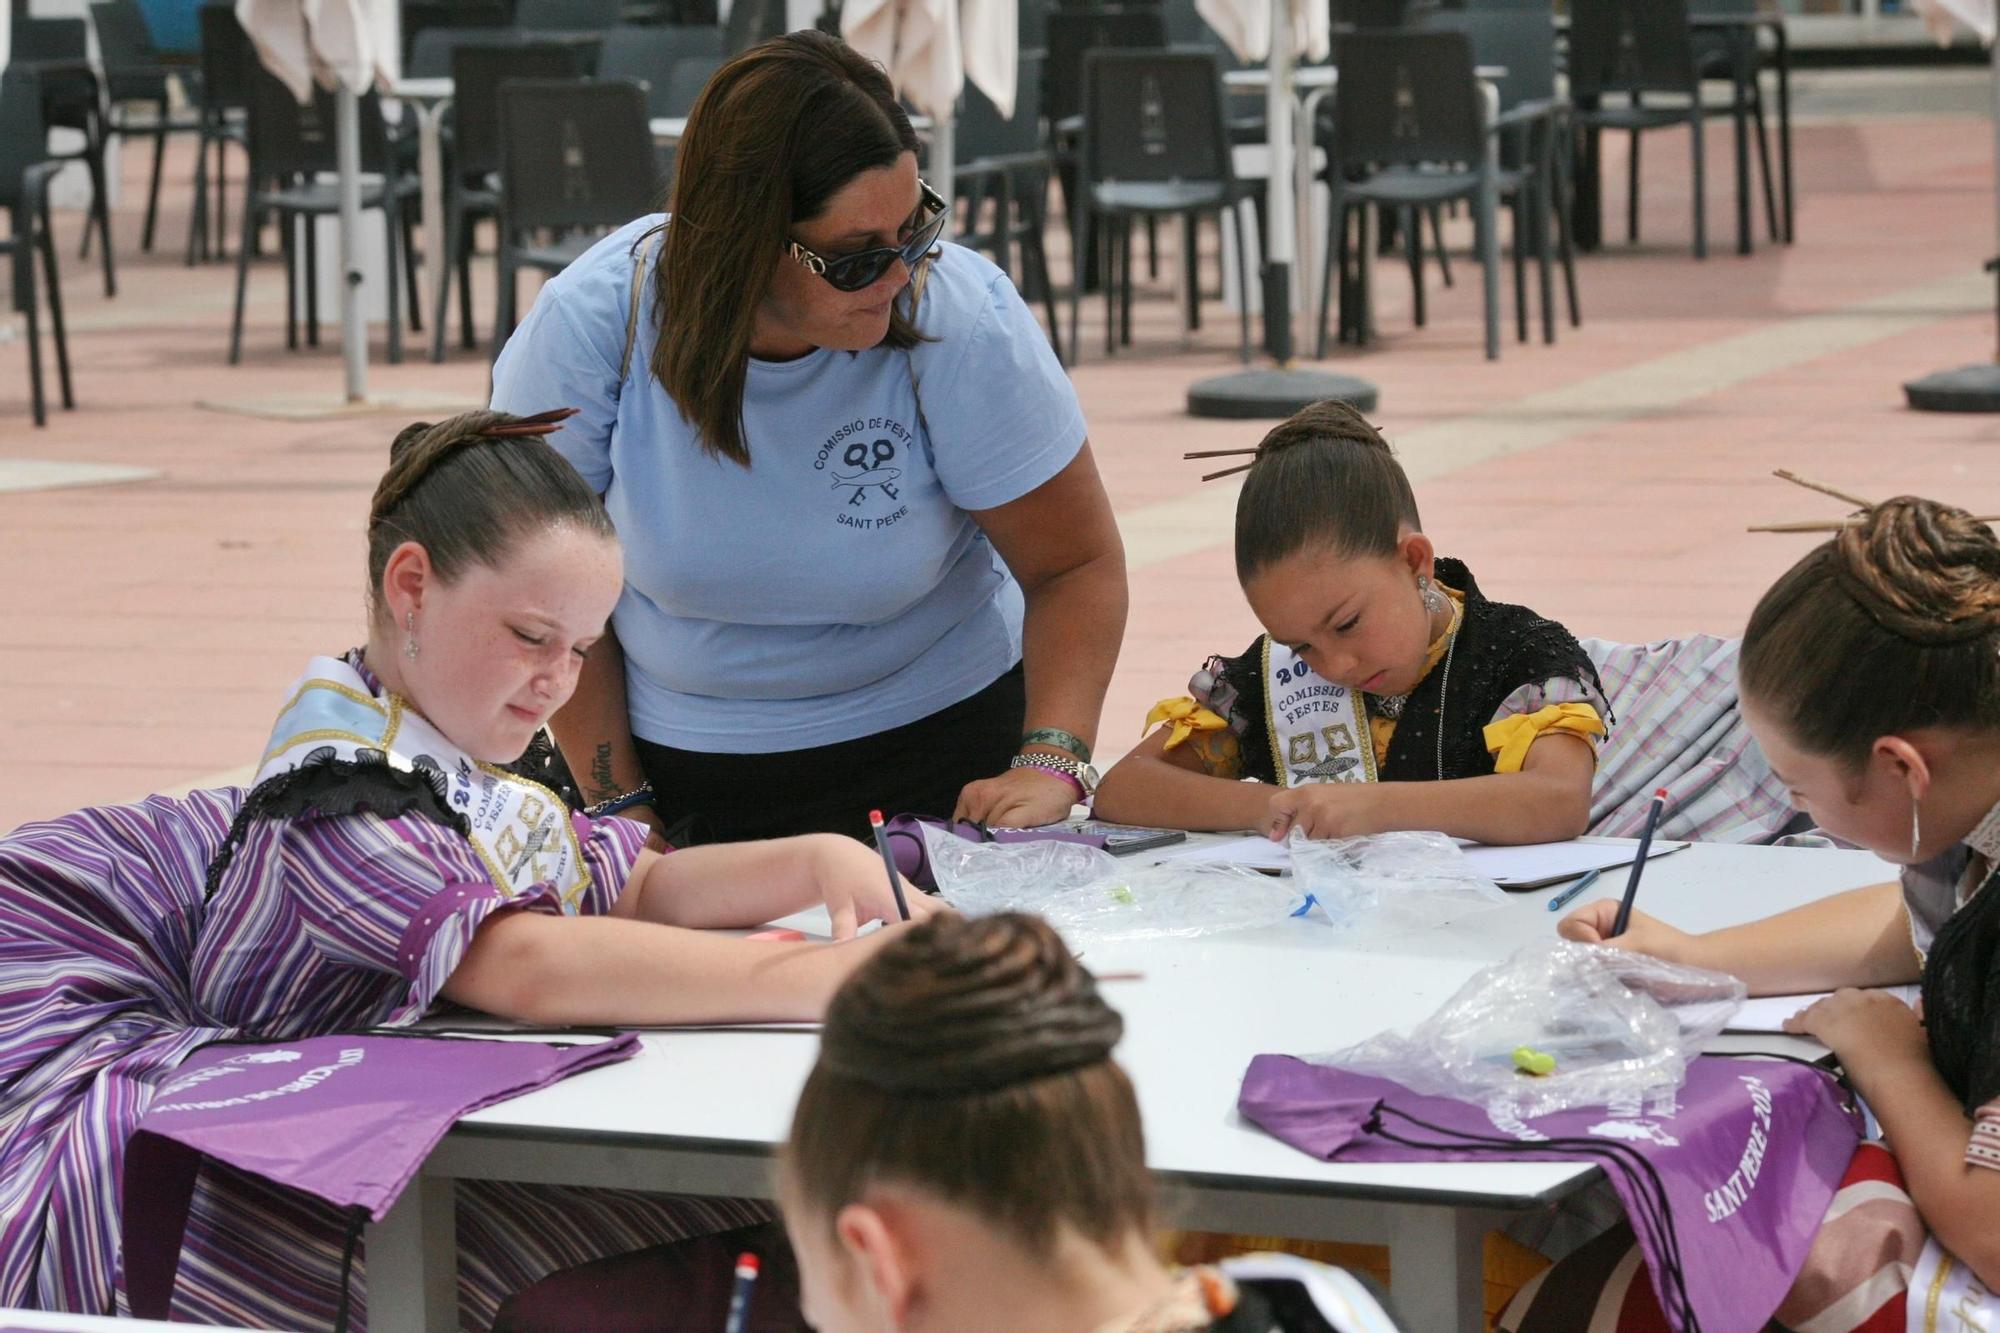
<point x="1607" y="480"/>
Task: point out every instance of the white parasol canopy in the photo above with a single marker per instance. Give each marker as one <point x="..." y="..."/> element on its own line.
<point x="354" y="45"/>
<point x="930" y="48"/>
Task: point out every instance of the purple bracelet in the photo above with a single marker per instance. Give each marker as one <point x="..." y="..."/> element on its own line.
<point x="1054" y="773"/>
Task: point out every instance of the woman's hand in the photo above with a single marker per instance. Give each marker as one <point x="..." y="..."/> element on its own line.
<point x="1321" y="810"/>
<point x="1592" y="923"/>
<point x="1018" y="798"/>
<point x="1863" y="1027"/>
<point x="855" y="887"/>
<point x="656" y="829"/>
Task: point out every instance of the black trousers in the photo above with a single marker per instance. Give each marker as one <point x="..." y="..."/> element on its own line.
<point x="917" y="768"/>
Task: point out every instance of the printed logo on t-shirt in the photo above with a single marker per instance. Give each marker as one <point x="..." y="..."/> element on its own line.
<point x="864" y="461"/>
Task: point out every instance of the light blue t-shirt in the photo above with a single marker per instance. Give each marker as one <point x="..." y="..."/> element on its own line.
<point x="838" y="586"/>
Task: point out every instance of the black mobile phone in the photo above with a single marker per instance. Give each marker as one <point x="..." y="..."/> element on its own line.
<point x="1126" y="842"/>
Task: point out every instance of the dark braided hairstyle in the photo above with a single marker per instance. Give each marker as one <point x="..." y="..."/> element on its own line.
<point x="971" y="1059"/>
<point x="1324" y="478"/>
<point x="1892" y="625"/>
<point x="468" y="488"/>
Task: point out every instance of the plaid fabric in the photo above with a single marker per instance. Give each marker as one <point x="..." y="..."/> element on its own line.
<point x="1854" y="1279"/>
<point x="1676" y="725"/>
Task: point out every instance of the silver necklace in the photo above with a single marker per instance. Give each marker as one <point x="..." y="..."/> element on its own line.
<point x="1444" y="688"/>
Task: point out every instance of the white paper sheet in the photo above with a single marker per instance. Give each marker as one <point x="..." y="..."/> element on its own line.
<point x="1768" y="1013"/>
<point x="1509" y="867"/>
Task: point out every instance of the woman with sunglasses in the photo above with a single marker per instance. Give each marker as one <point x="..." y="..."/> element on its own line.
<point x="868" y="559"/>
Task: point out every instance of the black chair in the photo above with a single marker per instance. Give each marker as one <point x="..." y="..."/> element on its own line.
<point x="1737" y="54"/>
<point x="1640" y="51"/>
<point x="566" y="15"/>
<point x="653" y="57"/>
<point x="430" y="50"/>
<point x="1534" y="123"/>
<point x="227" y="59"/>
<point x="1001" y="161"/>
<point x="470" y="192"/>
<point x="25" y="169"/>
<point x="72" y="99"/>
<point x="576" y="160"/>
<point x="133" y="73"/>
<point x="1072" y="33"/>
<point x="1409" y="132"/>
<point x="1155" y="145"/>
<point x="292" y="153"/>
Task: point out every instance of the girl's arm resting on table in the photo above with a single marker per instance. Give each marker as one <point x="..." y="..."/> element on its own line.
<point x="1548" y="800"/>
<point x="1062" y="545"/>
<point x="1179" y="788"/>
<point x="1882" y="1046"/>
<point x="558" y="970"/>
<point x="594" y="731"/>
<point x="1857" y="938"/>
<point x="750" y="883"/>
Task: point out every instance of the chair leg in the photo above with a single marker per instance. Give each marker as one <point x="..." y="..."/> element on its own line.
<point x="100" y="207"/>
<point x="1191" y="272"/>
<point x="1518" y="224"/>
<point x="1437" y="237"/>
<point x="465" y="334"/>
<point x="1125" y="296"/>
<point x="1411" y="225"/>
<point x="1764" y="167"/>
<point x="1107" y="277"/>
<point x="410" y="292"/>
<point x="1632" y="191"/>
<point x="311" y="224"/>
<point x="1079" y="227"/>
<point x="503" y="302"/>
<point x="1695" y="134"/>
<point x="1035" y="259"/>
<point x="1561" y="202"/>
<point x="1740" y="123"/>
<point x="1336" y="258"/>
<point x="54" y="283"/>
<point x="1489" y="259"/>
<point x="198" y="205"/>
<point x="222" y="196"/>
<point x="243" y="279"/>
<point x="1152" y="249"/>
<point x="392" y="228"/>
<point x="153" y="190"/>
<point x="1242" y="278"/>
<point x="1540" y="209"/>
<point x="289" y="242"/>
<point x="1364" y="273"/>
<point x="24" y="300"/>
<point x="453" y="222"/>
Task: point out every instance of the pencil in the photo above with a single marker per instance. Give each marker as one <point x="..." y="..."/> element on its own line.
<point x="888" y="861"/>
<point x="739" y="1299"/>
<point x="1568" y="895"/>
<point x="1639" y="864"/>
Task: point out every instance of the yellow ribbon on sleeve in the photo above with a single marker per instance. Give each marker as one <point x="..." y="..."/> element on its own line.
<point x="1187" y="718"/>
<point x="1510" y="737"/>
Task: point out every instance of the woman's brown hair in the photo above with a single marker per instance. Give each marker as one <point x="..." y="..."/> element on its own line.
<point x="1322" y="478"/>
<point x="1891" y="626"/>
<point x="775" y="134"/>
<point x="971" y="1059"/>
<point x="469" y="488"/>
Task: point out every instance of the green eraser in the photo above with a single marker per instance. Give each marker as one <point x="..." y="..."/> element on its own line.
<point x="1531" y="1061"/>
<point x="1123" y="893"/>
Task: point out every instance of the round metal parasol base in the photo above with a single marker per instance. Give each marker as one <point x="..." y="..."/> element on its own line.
<point x="1274" y="394"/>
<point x="1967" y="389"/>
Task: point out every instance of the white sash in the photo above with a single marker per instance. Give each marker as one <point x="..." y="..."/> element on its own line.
<point x="520" y="829"/>
<point x="1319" y="730"/>
<point x="1945" y="1297"/>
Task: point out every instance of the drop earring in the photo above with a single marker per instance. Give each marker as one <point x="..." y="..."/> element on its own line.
<point x="1433" y="599"/>
<point x="1916" y="831"/>
<point x="410" y="636"/>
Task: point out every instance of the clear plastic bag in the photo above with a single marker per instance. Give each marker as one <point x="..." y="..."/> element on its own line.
<point x="1620" y="1025"/>
<point x="1391" y="883"/>
<point x="1088" y="894"/>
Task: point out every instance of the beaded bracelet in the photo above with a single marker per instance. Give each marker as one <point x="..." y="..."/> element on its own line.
<point x="1028" y="761"/>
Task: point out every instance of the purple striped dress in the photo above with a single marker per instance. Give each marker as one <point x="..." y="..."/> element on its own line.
<point x="112" y="970"/>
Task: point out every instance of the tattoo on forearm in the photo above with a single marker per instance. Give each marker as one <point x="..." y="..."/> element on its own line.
<point x="602" y="788"/>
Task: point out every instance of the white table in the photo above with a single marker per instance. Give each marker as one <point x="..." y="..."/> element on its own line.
<point x="42" y="1321"/>
<point x="700" y="1112"/>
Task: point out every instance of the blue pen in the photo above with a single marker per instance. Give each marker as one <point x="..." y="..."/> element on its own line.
<point x="1563" y="899"/>
<point x="739" y="1299"/>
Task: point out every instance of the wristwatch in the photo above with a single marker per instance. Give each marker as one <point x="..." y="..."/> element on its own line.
<point x="1076" y="770"/>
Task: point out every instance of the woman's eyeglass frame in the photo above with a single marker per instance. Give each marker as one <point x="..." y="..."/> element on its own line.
<point x="851" y="273"/>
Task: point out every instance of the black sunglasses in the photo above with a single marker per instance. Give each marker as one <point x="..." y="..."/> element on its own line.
<point x="850" y="273"/>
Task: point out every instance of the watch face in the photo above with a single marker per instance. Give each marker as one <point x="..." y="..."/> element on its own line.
<point x="1087" y="775"/>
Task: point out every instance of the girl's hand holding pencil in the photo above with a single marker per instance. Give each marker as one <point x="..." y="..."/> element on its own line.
<point x="855" y="889"/>
<point x="1593" y="922"/>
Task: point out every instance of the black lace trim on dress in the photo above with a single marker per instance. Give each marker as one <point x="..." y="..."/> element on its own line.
<point x="325" y="784"/>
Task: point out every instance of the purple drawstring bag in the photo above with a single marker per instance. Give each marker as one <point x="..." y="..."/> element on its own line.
<point x="906" y="842"/>
<point x="346" y="1118"/>
<point x="1725" y="1182"/>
